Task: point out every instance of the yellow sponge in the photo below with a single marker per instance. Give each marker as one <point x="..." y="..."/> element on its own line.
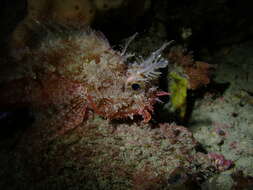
<point x="178" y="89"/>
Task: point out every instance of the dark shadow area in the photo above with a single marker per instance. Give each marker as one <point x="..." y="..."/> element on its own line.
<point x="14" y="121"/>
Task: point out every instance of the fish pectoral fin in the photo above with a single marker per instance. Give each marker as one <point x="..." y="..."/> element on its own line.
<point x="70" y="118"/>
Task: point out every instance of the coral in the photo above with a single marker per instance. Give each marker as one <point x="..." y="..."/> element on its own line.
<point x="198" y="72"/>
<point x="220" y="162"/>
<point x="104" y="155"/>
<point x="72" y="13"/>
<point x="184" y="74"/>
<point x="66" y="12"/>
<point x="74" y="71"/>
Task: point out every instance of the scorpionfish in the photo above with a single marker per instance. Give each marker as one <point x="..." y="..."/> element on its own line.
<point x="76" y="71"/>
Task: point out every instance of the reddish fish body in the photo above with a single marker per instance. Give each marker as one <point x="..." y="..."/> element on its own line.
<point x="75" y="71"/>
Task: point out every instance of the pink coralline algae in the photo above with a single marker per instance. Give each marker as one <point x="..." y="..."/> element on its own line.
<point x="72" y="72"/>
<point x="219" y="161"/>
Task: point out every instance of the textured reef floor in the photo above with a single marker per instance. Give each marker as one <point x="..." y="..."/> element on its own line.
<point x="224" y="123"/>
<point x="100" y="155"/>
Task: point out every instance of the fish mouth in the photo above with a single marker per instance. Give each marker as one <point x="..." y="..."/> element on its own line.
<point x="147" y="110"/>
<point x="144" y="113"/>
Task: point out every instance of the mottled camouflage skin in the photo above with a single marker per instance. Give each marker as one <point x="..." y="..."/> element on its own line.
<point x="75" y="71"/>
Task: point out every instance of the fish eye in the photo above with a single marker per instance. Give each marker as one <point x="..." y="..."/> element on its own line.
<point x="135" y="86"/>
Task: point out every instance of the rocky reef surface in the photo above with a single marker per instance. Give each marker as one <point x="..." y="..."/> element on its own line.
<point x="222" y="121"/>
<point x="213" y="150"/>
